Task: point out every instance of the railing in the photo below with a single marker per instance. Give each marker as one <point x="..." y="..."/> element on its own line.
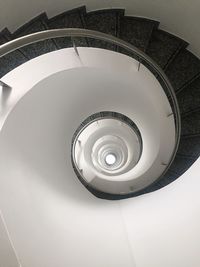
<point x="137" y="54"/>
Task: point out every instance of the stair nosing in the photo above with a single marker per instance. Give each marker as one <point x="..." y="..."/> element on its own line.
<point x="190" y="112"/>
<point x="187" y="83"/>
<point x="42" y="17"/>
<point x="188" y="136"/>
<point x="71" y="11"/>
<point x="110" y="10"/>
<point x="173" y="56"/>
<point x="184" y="156"/>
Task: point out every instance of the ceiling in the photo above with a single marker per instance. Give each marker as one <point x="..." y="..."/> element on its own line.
<point x="180" y="17"/>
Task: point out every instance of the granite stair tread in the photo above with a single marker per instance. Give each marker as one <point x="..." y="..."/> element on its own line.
<point x="11" y="60"/>
<point x="137" y="31"/>
<point x="191" y="124"/>
<point x="189" y="98"/>
<point x="37" y="24"/>
<point x="106" y="21"/>
<point x="163" y="47"/>
<point x="70" y="19"/>
<point x="183" y="70"/>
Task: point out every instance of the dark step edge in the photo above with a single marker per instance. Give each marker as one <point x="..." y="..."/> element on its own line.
<point x="157" y="23"/>
<point x="155" y="26"/>
<point x="118" y="25"/>
<point x="119" y="13"/>
<point x="188" y="136"/>
<point x="188" y="83"/>
<point x="173" y="173"/>
<point x="81" y="10"/>
<point x="190" y="112"/>
<point x="183" y="45"/>
<point x="28" y="25"/>
<point x="162" y="182"/>
<point x="7" y="35"/>
<point x="103" y="10"/>
<point x="186" y="156"/>
<point x="42" y="17"/>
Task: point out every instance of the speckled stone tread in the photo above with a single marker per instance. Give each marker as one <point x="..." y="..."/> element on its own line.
<point x="189" y="98"/>
<point x="35" y="25"/>
<point x="183" y="69"/>
<point x="180" y="65"/>
<point x="163" y="47"/>
<point x="106" y="21"/>
<point x="191" y="124"/>
<point x="70" y="19"/>
<point x="137" y="31"/>
<point x="189" y="147"/>
<point x="180" y="165"/>
<point x="169" y="177"/>
<point x="13" y="59"/>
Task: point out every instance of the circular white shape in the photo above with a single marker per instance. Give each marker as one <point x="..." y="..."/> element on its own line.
<point x="106" y="81"/>
<point x="110" y="159"/>
<point x="106" y="147"/>
<point x="111" y="144"/>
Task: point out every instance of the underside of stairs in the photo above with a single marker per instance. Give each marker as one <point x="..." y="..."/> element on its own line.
<point x="168" y="51"/>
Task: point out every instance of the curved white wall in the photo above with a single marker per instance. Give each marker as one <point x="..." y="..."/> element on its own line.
<point x="159" y="229"/>
<point x="54" y="221"/>
<point x="180" y="17"/>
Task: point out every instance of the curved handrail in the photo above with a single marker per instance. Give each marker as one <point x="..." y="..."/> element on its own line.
<point x="78" y="32"/>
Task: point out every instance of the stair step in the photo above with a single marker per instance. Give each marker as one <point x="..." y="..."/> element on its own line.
<point x="178" y="155"/>
<point x="37" y="24"/>
<point x="137" y="31"/>
<point x="168" y="178"/>
<point x="180" y="165"/>
<point x="106" y="21"/>
<point x="190" y="147"/>
<point x="163" y="47"/>
<point x="189" y="98"/>
<point x="11" y="60"/>
<point x="70" y="19"/>
<point x="183" y="70"/>
<point x="190" y="112"/>
<point x="191" y="124"/>
<point x="188" y="136"/>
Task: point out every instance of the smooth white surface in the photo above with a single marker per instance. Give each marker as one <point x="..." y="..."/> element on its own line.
<point x="103" y="81"/>
<point x="100" y="142"/>
<point x="164" y="226"/>
<point x="8" y="256"/>
<point x="180" y="17"/>
<point x="52" y="219"/>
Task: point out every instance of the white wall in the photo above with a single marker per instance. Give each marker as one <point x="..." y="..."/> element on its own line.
<point x="54" y="221"/>
<point x="180" y="17"/>
<point x="8" y="256"/>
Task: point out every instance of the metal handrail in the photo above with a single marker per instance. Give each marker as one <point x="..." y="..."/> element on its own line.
<point x="77" y="32"/>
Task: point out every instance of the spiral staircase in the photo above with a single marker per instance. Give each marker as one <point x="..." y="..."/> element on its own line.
<point x="168" y="51"/>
